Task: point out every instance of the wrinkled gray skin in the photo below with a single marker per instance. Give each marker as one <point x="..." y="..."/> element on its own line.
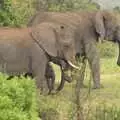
<point x="90" y="26"/>
<point x="28" y="50"/>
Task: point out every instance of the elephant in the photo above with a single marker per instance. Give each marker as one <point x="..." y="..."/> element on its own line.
<point x="28" y="50"/>
<point x="91" y="26"/>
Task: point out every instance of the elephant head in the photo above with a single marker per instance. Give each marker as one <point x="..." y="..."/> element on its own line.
<point x="57" y="40"/>
<point x="107" y="25"/>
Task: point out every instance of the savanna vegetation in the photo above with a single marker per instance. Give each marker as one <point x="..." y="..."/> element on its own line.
<point x="18" y="97"/>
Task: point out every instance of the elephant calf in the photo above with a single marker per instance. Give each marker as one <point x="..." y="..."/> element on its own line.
<point x="28" y="50"/>
<point x="90" y="26"/>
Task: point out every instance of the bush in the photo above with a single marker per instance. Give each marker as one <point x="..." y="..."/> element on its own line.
<point x="15" y="12"/>
<point x="17" y="99"/>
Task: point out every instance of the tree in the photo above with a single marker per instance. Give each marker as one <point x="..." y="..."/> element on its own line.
<point x="65" y="5"/>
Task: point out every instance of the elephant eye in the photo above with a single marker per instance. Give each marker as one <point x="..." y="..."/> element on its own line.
<point x="62" y="27"/>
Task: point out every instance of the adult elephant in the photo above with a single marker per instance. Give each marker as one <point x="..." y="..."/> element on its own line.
<point x="90" y="26"/>
<point x="28" y="50"/>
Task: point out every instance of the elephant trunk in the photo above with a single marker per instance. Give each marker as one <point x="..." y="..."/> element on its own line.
<point x="118" y="60"/>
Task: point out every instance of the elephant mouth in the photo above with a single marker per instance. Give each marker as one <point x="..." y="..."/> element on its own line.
<point x="73" y="66"/>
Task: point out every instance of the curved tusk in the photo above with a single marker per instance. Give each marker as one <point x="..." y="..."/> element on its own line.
<point x="72" y="65"/>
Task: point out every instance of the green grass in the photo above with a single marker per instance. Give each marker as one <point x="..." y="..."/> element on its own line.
<point x="110" y="79"/>
<point x="109" y="94"/>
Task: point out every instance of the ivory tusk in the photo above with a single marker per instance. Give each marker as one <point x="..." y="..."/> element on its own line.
<point x="72" y="65"/>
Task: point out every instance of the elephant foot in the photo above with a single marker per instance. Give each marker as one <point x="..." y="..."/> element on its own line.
<point x="83" y="86"/>
<point x="44" y="91"/>
<point x="53" y="92"/>
<point x="97" y="87"/>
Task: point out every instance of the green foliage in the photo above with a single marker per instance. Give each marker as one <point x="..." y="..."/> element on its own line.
<point x="17" y="99"/>
<point x="117" y="9"/>
<point x="15" y="12"/>
<point x="67" y="5"/>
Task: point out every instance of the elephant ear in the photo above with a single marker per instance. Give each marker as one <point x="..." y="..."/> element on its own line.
<point x="45" y="36"/>
<point x="100" y="25"/>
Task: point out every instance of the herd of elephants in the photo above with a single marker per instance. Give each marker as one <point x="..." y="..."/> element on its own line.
<point x="59" y="38"/>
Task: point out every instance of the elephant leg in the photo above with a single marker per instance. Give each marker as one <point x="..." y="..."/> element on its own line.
<point x="50" y="83"/>
<point x="41" y="81"/>
<point x="41" y="84"/>
<point x="50" y="76"/>
<point x="94" y="62"/>
<point x="39" y="62"/>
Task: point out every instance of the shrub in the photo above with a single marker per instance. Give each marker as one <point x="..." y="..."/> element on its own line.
<point x="17" y="99"/>
<point x="15" y="12"/>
